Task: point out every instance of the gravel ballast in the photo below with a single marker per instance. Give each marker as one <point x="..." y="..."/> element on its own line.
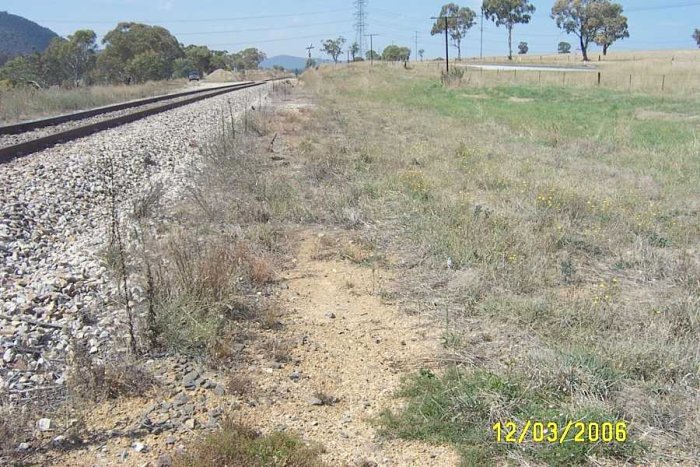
<point x="55" y="221"/>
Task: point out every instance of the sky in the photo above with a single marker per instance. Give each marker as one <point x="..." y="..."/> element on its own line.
<point x="287" y="27"/>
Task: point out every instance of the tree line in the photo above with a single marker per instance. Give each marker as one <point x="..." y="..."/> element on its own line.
<point x="592" y="21"/>
<point x="131" y="53"/>
<point x="334" y="49"/>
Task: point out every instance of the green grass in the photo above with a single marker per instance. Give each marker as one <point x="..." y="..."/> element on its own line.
<point x="572" y="214"/>
<point x="461" y="408"/>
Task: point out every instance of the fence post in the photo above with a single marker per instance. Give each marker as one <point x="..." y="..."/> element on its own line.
<point x="563" y="78"/>
<point x="663" y="82"/>
<point x="599" y="78"/>
<point x="539" y="77"/>
<point x="630" y="81"/>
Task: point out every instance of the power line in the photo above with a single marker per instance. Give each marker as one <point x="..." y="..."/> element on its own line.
<point x="299" y="26"/>
<point x="663" y="7"/>
<point x="204" y="20"/>
<point x="282" y="39"/>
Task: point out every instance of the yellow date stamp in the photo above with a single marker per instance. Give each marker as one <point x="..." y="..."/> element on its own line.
<point x="531" y="431"/>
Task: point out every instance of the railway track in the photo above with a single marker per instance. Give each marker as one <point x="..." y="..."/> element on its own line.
<point x="25" y="138"/>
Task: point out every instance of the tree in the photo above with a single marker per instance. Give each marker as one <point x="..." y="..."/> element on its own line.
<point x="584" y="18"/>
<point x="153" y="45"/>
<point x="696" y="36"/>
<point x="354" y="50"/>
<point x="564" y="48"/>
<point x="420" y="53"/>
<point x="219" y="60"/>
<point x="508" y="13"/>
<point x="459" y="21"/>
<point x="310" y="63"/>
<point x="614" y="26"/>
<point x="394" y="53"/>
<point x="334" y="47"/>
<point x="373" y="55"/>
<point x="248" y="59"/>
<point x="199" y="57"/>
<point x="523" y="48"/>
<point x="29" y="69"/>
<point x="70" y="60"/>
<point x="182" y="67"/>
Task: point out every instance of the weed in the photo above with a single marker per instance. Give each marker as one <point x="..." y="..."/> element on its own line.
<point x="237" y="445"/>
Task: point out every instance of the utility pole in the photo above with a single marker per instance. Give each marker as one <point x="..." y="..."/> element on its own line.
<point x="309" y="49"/>
<point x="447" y="43"/>
<point x="481" y="53"/>
<point x="416" y="49"/>
<point x="371" y="48"/>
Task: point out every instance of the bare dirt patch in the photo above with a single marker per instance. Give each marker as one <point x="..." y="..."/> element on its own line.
<point x="354" y="349"/>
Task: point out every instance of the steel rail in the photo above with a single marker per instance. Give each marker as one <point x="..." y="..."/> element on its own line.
<point x="23" y="127"/>
<point x="9" y="153"/>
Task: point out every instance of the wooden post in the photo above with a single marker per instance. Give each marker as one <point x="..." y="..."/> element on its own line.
<point x="539" y="77"/>
<point x="599" y="78"/>
<point x="663" y="82"/>
<point x="630" y="81"/>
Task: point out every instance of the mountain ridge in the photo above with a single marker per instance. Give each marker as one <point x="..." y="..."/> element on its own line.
<point x="21" y="36"/>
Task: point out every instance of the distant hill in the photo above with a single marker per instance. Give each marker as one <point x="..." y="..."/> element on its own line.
<point x="286" y="61"/>
<point x="19" y="36"/>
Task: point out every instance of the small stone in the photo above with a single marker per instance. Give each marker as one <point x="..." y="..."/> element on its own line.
<point x="219" y="390"/>
<point x="44" y="424"/>
<point x="295" y="376"/>
<point x="166" y="460"/>
<point x="23" y="446"/>
<point x="170" y="440"/>
<point x="181" y="399"/>
<point x="330" y="315"/>
<point x="188" y="409"/>
<point x="93" y="350"/>
<point x="139" y="447"/>
<point x="190" y="377"/>
<point x="8" y="356"/>
<point x="190" y="423"/>
<point x="315" y="401"/>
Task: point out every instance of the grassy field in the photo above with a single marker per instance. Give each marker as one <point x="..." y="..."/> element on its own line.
<point x="24" y="103"/>
<point x="552" y="230"/>
<point x="657" y="73"/>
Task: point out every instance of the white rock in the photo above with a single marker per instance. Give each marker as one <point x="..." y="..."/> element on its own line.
<point x="44" y="424"/>
<point x="8" y="356"/>
<point x="139" y="447"/>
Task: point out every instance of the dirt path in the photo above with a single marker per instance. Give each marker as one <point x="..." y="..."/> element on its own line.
<point x="352" y="347"/>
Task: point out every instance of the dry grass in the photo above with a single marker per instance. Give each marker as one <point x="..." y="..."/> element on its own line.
<point x="24" y="103"/>
<point x="237" y="445"/>
<point x="553" y="220"/>
<point x="657" y="73"/>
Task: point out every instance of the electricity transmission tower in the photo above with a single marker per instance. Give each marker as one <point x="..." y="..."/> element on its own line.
<point x="361" y="25"/>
